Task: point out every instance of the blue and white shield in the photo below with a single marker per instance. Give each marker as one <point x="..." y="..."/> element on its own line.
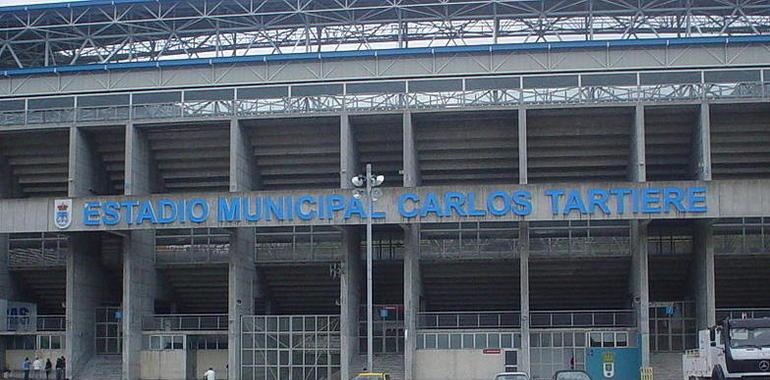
<point x="62" y="213"/>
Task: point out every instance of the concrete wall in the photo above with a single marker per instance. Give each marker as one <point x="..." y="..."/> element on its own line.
<point x="457" y="365"/>
<point x="216" y="359"/>
<point x="164" y="365"/>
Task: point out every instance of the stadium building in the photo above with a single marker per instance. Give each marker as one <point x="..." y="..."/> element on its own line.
<point x="566" y="184"/>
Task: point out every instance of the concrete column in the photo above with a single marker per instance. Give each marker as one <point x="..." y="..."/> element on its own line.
<point x="700" y="164"/>
<point x="84" y="294"/>
<point x="350" y="299"/>
<point x="703" y="268"/>
<point x="524" y="354"/>
<point x="243" y="168"/>
<point x="141" y="177"/>
<point x="411" y="160"/>
<point x="139" y="293"/>
<point x="639" y="279"/>
<point x="412" y="296"/>
<point x="703" y="275"/>
<point x="522" y="125"/>
<point x="86" y="173"/>
<point x="639" y="286"/>
<point x="242" y="286"/>
<point x="348" y="153"/>
<point x="637" y="168"/>
<point x="9" y="188"/>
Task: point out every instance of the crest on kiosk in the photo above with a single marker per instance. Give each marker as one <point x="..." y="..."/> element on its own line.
<point x="62" y="213"/>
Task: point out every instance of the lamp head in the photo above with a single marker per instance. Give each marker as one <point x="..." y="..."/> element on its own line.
<point x="378" y="180"/>
<point x="358" y="181"/>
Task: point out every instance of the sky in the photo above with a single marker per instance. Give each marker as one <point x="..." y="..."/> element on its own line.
<point x="4" y="3"/>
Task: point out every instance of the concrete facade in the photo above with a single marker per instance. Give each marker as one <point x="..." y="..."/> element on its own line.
<point x="728" y="198"/>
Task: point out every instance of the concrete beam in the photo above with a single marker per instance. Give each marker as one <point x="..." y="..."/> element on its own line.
<point x="412" y="297"/>
<point x="411" y="160"/>
<point x="244" y="175"/>
<point x="243" y="281"/>
<point x="700" y="163"/>
<point x="348" y="152"/>
<point x="703" y="280"/>
<point x="139" y="293"/>
<point x="87" y="176"/>
<point x="522" y="130"/>
<point x="525" y="352"/>
<point x="637" y="168"/>
<point x="141" y="177"/>
<point x="640" y="287"/>
<point x="350" y="299"/>
<point x="85" y="284"/>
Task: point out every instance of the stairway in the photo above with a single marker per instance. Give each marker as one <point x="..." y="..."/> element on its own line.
<point x="103" y="367"/>
<point x="666" y="366"/>
<point x="391" y="363"/>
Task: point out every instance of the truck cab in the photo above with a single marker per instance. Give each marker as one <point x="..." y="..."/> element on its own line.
<point x="735" y="349"/>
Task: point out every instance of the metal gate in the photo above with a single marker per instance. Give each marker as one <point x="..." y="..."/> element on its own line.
<point x="109" y="331"/>
<point x="293" y="347"/>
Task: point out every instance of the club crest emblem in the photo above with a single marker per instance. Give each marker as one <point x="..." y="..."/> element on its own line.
<point x="62" y="213"/>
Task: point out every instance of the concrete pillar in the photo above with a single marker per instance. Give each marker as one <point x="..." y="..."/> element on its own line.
<point x="700" y="164"/>
<point x="87" y="176"/>
<point x="412" y="296"/>
<point x="637" y="169"/>
<point x="243" y="167"/>
<point x="411" y="160"/>
<point x="141" y="176"/>
<point x="703" y="275"/>
<point x="522" y="129"/>
<point x="524" y="354"/>
<point x="350" y="299"/>
<point x="639" y="286"/>
<point x="9" y="187"/>
<point x="348" y="153"/>
<point x="84" y="294"/>
<point x="639" y="279"/>
<point x="242" y="286"/>
<point x="139" y="293"/>
<point x="703" y="268"/>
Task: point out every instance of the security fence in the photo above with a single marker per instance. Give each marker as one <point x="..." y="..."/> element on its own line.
<point x="290" y="347"/>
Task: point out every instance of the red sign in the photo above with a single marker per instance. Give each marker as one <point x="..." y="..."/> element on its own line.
<point x="492" y="351"/>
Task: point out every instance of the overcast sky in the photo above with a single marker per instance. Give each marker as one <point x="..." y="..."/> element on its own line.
<point x="25" y="2"/>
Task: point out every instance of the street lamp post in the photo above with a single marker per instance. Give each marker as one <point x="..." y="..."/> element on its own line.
<point x="371" y="193"/>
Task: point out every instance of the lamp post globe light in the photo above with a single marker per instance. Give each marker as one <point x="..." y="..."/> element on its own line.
<point x="366" y="187"/>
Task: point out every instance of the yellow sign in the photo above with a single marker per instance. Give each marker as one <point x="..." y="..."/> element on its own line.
<point x="608" y="357"/>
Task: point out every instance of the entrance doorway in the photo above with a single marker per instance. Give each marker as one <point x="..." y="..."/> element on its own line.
<point x="109" y="331"/>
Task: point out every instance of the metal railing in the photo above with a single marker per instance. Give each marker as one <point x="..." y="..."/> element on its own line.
<point x="192" y="254"/>
<point x="742" y="313"/>
<point x="51" y="323"/>
<point x="580" y="318"/>
<point x="469" y="320"/>
<point x="538" y="319"/>
<point x="185" y="322"/>
<point x="390" y="101"/>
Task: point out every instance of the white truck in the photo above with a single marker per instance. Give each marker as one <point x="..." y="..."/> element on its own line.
<point x="735" y="349"/>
